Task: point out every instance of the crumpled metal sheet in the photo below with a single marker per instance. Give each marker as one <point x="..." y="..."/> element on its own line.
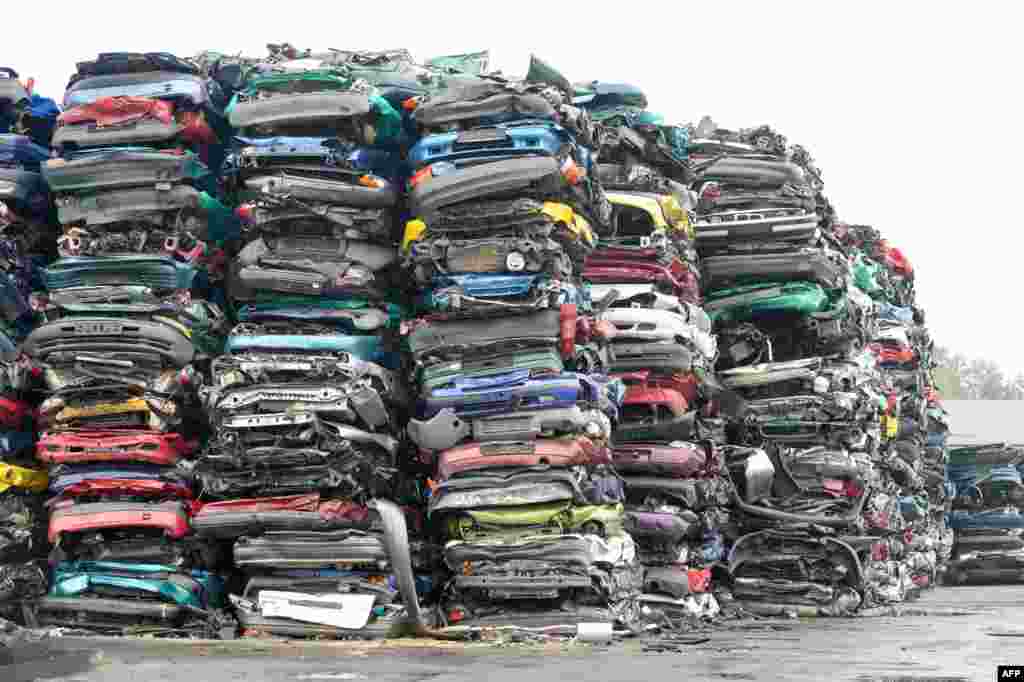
<point x="22" y="581"/>
<point x="22" y="523"/>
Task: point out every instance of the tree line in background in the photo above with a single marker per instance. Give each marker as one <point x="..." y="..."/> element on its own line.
<point x="958" y="377"/>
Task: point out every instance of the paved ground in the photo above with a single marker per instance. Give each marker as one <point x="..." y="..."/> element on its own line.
<point x="952" y="633"/>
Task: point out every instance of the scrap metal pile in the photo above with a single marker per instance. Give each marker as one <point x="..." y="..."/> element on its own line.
<point x="825" y="358"/>
<point x="986" y="490"/>
<point x="26" y="242"/>
<point x="322" y="344"/>
<point x="303" y="415"/>
<point x="123" y="331"/>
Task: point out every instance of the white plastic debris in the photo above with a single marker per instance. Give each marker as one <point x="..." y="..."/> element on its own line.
<point x="594" y="632"/>
<point x="348" y="611"/>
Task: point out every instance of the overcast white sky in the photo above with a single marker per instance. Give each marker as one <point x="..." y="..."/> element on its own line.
<point x="913" y="110"/>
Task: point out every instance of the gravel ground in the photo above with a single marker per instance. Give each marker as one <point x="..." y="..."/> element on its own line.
<point x="950" y="633"/>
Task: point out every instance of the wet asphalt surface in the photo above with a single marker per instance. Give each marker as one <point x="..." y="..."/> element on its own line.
<point x="959" y="633"/>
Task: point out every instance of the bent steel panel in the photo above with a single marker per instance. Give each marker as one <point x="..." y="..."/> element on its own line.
<point x="724" y="271"/>
<point x="482" y="101"/>
<point x="112" y="446"/>
<point x="296" y="186"/>
<point x="535" y="175"/>
<point x="153" y="84"/>
<point x="169" y="517"/>
<point x="115" y="205"/>
<point x="120" y="168"/>
<point x="140" y="132"/>
<point x="542" y="327"/>
<point x="84" y="334"/>
<point x="52" y="607"/>
<point x="21" y="186"/>
<point x="292" y="108"/>
<point x="551" y="453"/>
<point x="12" y="92"/>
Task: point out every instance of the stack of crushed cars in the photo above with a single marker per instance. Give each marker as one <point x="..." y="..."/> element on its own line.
<point x="26" y="244"/>
<point x="913" y="424"/>
<point x="645" y="268"/>
<point x="797" y="391"/>
<point x="26" y="233"/>
<point x="509" y="359"/>
<point x="933" y="471"/>
<point x="23" y="484"/>
<point x="830" y="502"/>
<point x="327" y="344"/>
<point x="987" y="495"/>
<point x="123" y="336"/>
<point x="302" y="472"/>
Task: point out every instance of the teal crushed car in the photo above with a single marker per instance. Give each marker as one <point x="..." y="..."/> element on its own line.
<point x="752" y="301"/>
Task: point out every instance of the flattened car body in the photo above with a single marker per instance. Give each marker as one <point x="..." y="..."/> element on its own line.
<point x="486" y="144"/>
<point x="515" y="390"/>
<point x="482" y="103"/>
<point x="97" y="171"/>
<point x="168" y="517"/>
<point x="156" y="272"/>
<point x="446" y="428"/>
<point x="67" y="447"/>
<point x="104" y="336"/>
<point x="557" y="453"/>
<point x="764" y="300"/>
<point x="308" y="107"/>
<point x="310" y="548"/>
<point x="540" y="329"/>
<point x="536" y="177"/>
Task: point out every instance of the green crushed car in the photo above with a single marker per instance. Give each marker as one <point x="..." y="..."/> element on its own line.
<point x="549" y="518"/>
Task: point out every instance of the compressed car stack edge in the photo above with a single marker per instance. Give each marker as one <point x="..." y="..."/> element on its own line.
<point x="828" y="395"/>
<point x="509" y="360"/>
<point x="302" y="469"/>
<point x="26" y="241"/>
<point x="984" y="483"/>
<point x="667" y="440"/>
<point x="125" y="331"/>
<point x="325" y="344"/>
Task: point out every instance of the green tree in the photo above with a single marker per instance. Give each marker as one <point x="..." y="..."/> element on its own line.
<point x="958" y="377"/>
<point x="986" y="380"/>
<point x="947" y="382"/>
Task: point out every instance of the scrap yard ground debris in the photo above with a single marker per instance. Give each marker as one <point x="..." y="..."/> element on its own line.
<point x="345" y="345"/>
